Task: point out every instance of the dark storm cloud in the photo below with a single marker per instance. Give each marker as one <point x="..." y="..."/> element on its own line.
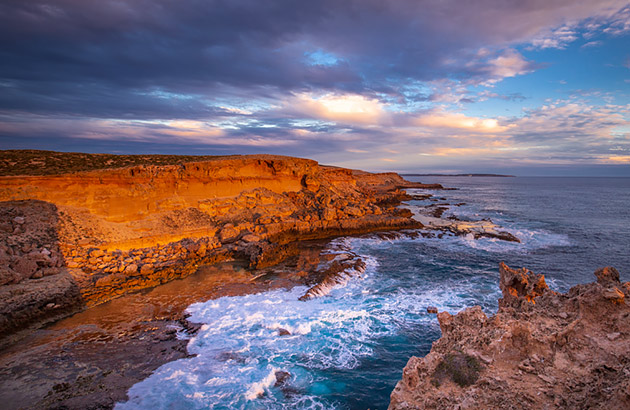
<point x="104" y="58"/>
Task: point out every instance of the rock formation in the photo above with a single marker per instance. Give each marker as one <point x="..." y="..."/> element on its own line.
<point x="542" y="350"/>
<point x="78" y="239"/>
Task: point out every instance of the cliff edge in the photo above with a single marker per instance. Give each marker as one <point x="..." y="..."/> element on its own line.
<point x="542" y="350"/>
<point x="75" y="239"/>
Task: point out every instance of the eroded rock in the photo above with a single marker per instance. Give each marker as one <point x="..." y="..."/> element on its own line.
<point x="541" y="350"/>
<point x="520" y="284"/>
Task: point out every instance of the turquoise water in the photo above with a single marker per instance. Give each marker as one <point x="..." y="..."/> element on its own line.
<point x="347" y="350"/>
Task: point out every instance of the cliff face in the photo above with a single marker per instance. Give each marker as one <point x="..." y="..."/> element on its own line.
<point x="97" y="234"/>
<point x="542" y="350"/>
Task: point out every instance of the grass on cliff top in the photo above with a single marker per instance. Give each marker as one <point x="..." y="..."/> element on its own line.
<point x="34" y="162"/>
<point x="461" y="368"/>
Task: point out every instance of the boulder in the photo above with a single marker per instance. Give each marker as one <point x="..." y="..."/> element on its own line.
<point x="131" y="269"/>
<point x="607" y="276"/>
<point x="519" y="285"/>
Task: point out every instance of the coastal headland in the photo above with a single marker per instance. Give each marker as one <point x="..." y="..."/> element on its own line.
<point x="91" y="242"/>
<point x="542" y="349"/>
<point x="78" y="230"/>
<point x="74" y="240"/>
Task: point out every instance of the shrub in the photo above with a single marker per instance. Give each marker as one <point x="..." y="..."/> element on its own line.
<point x="461" y="368"/>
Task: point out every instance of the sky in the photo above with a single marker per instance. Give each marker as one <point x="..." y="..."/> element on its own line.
<point x="526" y="87"/>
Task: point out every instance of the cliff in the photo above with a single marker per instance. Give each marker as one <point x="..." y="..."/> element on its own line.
<point x="542" y="350"/>
<point x="73" y="240"/>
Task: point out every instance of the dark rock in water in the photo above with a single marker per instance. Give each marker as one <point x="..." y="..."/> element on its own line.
<point x="227" y="356"/>
<point x="282" y="378"/>
<point x="338" y="273"/>
<point x="283" y="332"/>
<point x="502" y="235"/>
<point x="432" y="309"/>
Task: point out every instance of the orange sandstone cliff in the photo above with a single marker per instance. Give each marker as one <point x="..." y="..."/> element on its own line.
<point x="542" y="350"/>
<point x="73" y="240"/>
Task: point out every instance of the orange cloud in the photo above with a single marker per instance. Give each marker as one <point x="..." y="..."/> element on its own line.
<point x="347" y="108"/>
<point x="623" y="159"/>
<point x="442" y="119"/>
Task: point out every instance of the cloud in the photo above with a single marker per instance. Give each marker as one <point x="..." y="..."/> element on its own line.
<point x="558" y="38"/>
<point x="509" y="64"/>
<point x="592" y="44"/>
<point x="82" y="57"/>
<point x="328" y="79"/>
<point x="444" y="119"/>
<point x="344" y="108"/>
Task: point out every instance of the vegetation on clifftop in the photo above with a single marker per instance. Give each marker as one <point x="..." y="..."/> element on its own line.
<point x="35" y="162"/>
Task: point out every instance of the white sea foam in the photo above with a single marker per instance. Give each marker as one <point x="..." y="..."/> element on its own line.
<point x="257" y="389"/>
<point x="239" y="347"/>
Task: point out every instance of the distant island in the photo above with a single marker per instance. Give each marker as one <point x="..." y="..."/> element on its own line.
<point x="459" y="175"/>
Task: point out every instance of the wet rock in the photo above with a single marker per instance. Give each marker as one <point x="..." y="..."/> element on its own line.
<point x="432" y="309"/>
<point x="282" y="378"/>
<point x="231" y="356"/>
<point x="283" y="332"/>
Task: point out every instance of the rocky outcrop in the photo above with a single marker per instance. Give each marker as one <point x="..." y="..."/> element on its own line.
<point x="542" y="350"/>
<point x="344" y="267"/>
<point x="109" y="231"/>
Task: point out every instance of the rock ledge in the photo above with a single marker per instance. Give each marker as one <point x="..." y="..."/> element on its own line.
<point x="542" y="350"/>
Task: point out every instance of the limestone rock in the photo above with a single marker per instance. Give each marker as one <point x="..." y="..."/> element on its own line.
<point x="607" y="276"/>
<point x="122" y="229"/>
<point x="541" y="350"/>
<point x="520" y="284"/>
<point x="131" y="269"/>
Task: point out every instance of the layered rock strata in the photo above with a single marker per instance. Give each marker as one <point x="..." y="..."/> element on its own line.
<point x="542" y="350"/>
<point x="98" y="234"/>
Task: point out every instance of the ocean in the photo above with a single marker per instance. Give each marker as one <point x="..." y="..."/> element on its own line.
<point x="347" y="350"/>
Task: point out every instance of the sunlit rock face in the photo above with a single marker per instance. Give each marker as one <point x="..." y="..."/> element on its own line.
<point x="108" y="231"/>
<point x="541" y="350"/>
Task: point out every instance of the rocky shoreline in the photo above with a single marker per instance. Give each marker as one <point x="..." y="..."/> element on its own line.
<point x="91" y="359"/>
<point x="542" y="350"/>
<point x="94" y="245"/>
<point x="72" y="241"/>
<point x="84" y="244"/>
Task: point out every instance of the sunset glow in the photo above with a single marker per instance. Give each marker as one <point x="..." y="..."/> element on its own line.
<point x="550" y="81"/>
